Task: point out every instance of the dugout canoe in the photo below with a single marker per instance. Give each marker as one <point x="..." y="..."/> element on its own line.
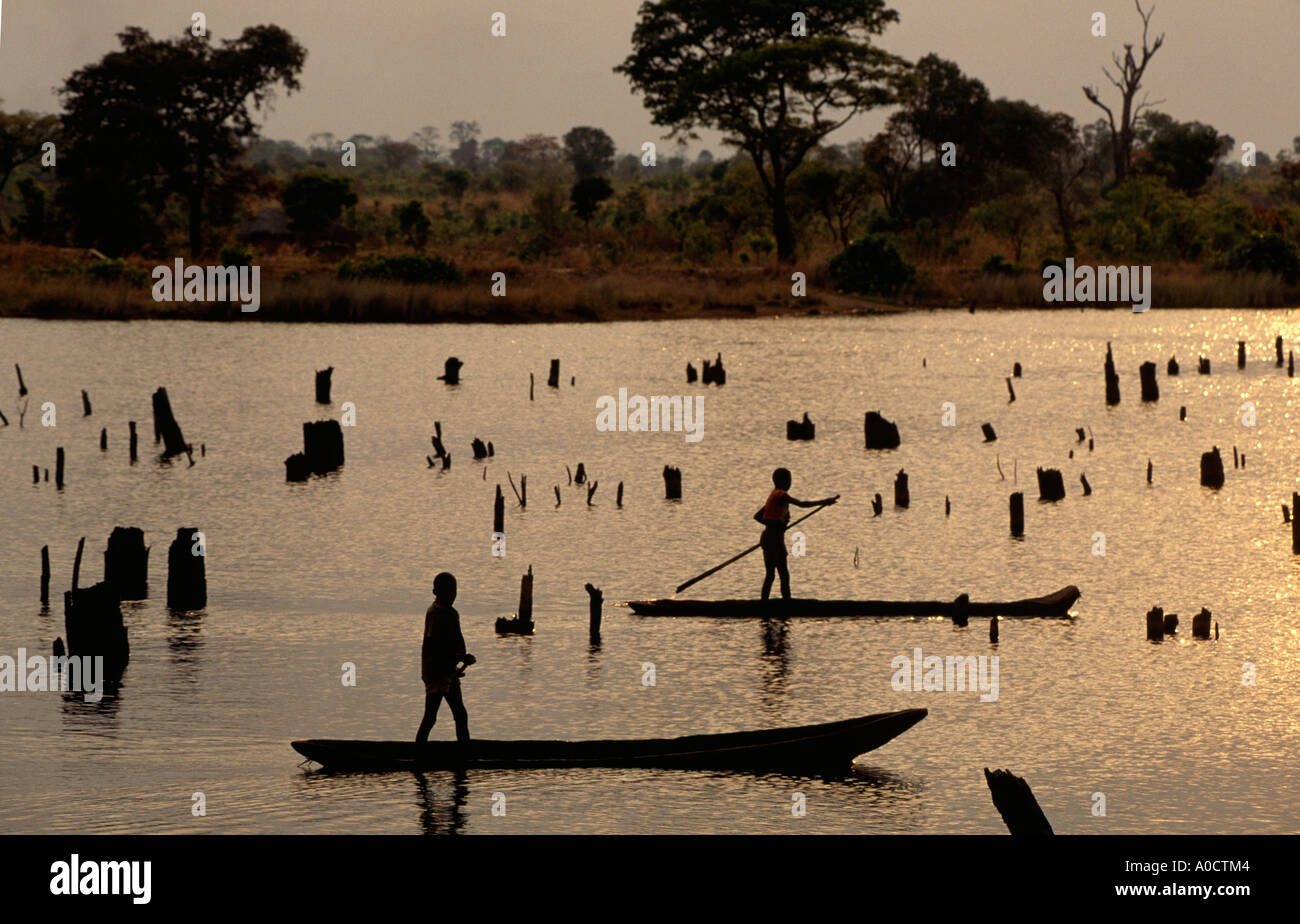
<point x="1054" y="605"/>
<point x="827" y="747"/>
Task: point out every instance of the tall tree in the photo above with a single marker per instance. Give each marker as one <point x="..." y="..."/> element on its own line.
<point x="173" y="114"/>
<point x="590" y="151"/>
<point x="1128" y="80"/>
<point x="750" y="71"/>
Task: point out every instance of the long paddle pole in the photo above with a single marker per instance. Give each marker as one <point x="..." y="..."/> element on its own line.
<point x="736" y="558"/>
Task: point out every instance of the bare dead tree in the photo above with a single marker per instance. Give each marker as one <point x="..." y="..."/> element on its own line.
<point x="1128" y="80"/>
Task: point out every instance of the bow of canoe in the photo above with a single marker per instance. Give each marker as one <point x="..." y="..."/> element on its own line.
<point x="1053" y="605"/>
<point x="829" y="746"/>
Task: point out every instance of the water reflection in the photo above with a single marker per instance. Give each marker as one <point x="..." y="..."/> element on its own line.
<point x="443" y="797"/>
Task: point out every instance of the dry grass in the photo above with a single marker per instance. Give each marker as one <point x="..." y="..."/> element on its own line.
<point x="297" y="288"/>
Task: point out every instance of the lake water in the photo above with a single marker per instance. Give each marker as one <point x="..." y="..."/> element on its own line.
<point x="305" y="577"/>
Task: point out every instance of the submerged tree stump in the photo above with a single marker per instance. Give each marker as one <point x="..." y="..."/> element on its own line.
<point x="877" y="505"/>
<point x="672" y="483"/>
<point x="1150" y="389"/>
<point x="800" y="430"/>
<point x="1015" y="802"/>
<point x="879" y="432"/>
<point x="902" y="496"/>
<point x="480" y="449"/>
<point x="713" y="373"/>
<point x="580" y="476"/>
<point x="1212" y="469"/>
<point x="126" y="563"/>
<point x="1201" y="624"/>
<point x="691" y="374"/>
<point x="522" y="622"/>
<point x="1155" y="624"/>
<point x="1087" y="488"/>
<point x="499" y="513"/>
<point x="451" y="371"/>
<point x="134" y="453"/>
<point x="322" y="444"/>
<point x="85" y="403"/>
<point x="959" y="611"/>
<point x="165" y="427"/>
<point x="45" y="575"/>
<point x="1051" y="484"/>
<point x="103" y="439"/>
<point x="989" y="435"/>
<point x="1018" y="514"/>
<point x="594" y="600"/>
<point x="58" y="468"/>
<point x="187" y="581"/>
<point x="1277" y="345"/>
<point x="1203" y="366"/>
<point x="553" y="380"/>
<point x="323" y="384"/>
<point x="1112" y="379"/>
<point x="1241" y="354"/>
<point x="93" y="627"/>
<point x="1172" y="368"/>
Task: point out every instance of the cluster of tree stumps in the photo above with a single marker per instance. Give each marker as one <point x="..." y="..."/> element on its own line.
<point x="800" y="429"/>
<point x="322" y="451"/>
<point x="1161" y="624"/>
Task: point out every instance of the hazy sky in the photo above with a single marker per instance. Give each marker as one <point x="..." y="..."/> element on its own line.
<point x="392" y="66"/>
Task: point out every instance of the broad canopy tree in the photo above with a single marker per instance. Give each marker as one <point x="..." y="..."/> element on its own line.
<point x="159" y="118"/>
<point x="741" y="68"/>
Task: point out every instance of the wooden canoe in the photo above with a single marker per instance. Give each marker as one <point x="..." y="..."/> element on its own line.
<point x="1053" y="605"/>
<point x="827" y="747"/>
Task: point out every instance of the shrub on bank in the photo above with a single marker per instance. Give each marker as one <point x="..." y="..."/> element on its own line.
<point x="872" y="265"/>
<point x="408" y="268"/>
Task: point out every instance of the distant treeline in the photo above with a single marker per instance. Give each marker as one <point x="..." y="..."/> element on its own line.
<point x="158" y="154"/>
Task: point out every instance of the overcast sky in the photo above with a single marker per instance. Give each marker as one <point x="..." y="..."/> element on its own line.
<point x="392" y="66"/>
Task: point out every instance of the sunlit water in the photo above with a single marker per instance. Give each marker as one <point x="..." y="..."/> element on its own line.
<point x="303" y="577"/>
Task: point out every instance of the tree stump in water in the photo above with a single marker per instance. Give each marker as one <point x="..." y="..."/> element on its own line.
<point x="580" y="476"/>
<point x="323" y="385"/>
<point x="1087" y="488"/>
<point x="134" y="454"/>
<point x="1018" y="514"/>
<point x="103" y="439"/>
<point x="499" y="513"/>
<point x="1051" y="485"/>
<point x="714" y="373"/>
<point x="58" y="468"/>
<point x="45" y="575"/>
<point x="1150" y="389"/>
<point x="1201" y="624"/>
<point x="1241" y="354"/>
<point x="989" y="435"/>
<point x="691" y="374"/>
<point x="187" y="581"/>
<point x="522" y="623"/>
<point x="296" y="468"/>
<point x="553" y="380"/>
<point x="902" y="496"/>
<point x="85" y="403"/>
<point x="800" y="430"/>
<point x="1155" y="624"/>
<point x="1277" y="344"/>
<point x="1015" y="370"/>
<point x="451" y="371"/>
<point x="1212" y="469"/>
<point x="1203" y="366"/>
<point x="1015" y="802"/>
<point x="1172" y="368"/>
<point x="1011" y="391"/>
<point x="480" y="449"/>
<point x="165" y="427"/>
<point x="93" y="626"/>
<point x="672" y="483"/>
<point x="877" y="505"/>
<point x="322" y="444"/>
<point x="1171" y="623"/>
<point x="879" y="432"/>
<point x="126" y="563"/>
<point x="1112" y="379"/>
<point x="594" y="600"/>
<point x="619" y="502"/>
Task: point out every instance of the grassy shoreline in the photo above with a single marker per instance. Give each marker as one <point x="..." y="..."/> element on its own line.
<point x="540" y="294"/>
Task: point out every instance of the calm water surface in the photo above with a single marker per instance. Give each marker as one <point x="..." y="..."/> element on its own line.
<point x="303" y="577"/>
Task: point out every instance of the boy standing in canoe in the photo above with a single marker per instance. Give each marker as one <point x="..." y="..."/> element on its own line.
<point x="443" y="660"/>
<point x="775" y="516"/>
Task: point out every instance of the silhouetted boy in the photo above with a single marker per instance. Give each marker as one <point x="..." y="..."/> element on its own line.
<point x="775" y="516"/>
<point x="443" y="660"/>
